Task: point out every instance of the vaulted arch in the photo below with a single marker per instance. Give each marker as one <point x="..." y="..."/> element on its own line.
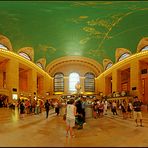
<point x="28" y="51"/>
<point x="121" y="52"/>
<point x="78" y="64"/>
<point x="142" y="44"/>
<point x="107" y="63"/>
<point x="5" y="42"/>
<point x="41" y="62"/>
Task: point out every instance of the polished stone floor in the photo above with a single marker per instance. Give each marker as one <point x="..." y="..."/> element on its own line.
<point x="37" y="131"/>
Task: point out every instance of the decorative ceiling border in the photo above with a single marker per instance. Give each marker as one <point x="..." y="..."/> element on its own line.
<point x="77" y="60"/>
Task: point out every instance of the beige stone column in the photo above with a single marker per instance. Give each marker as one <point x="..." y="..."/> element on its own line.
<point x="32" y="82"/>
<point x="1" y="79"/>
<point x="115" y="80"/>
<point x="96" y="86"/>
<point x="135" y="78"/>
<point x="51" y="87"/>
<point x="48" y="86"/>
<point x="66" y="85"/>
<point x="41" y="88"/>
<point x="12" y="77"/>
<point x="107" y="85"/>
<point x="119" y="80"/>
<point x="102" y="86"/>
<point x="82" y="84"/>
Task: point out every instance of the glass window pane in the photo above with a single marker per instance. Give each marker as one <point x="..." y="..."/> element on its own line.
<point x="3" y="47"/>
<point x="89" y="82"/>
<point x="145" y="48"/>
<point x="123" y="56"/>
<point x="59" y="82"/>
<point x="73" y="79"/>
<point x="26" y="56"/>
<point x="109" y="65"/>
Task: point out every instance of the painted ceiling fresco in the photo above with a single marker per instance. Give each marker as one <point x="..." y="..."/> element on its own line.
<point x="92" y="29"/>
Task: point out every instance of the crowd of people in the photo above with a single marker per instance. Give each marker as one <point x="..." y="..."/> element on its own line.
<point x="75" y="110"/>
<point x="34" y="107"/>
<point x="128" y="109"/>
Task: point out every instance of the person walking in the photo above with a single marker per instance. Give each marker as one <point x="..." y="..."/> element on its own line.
<point x="114" y="108"/>
<point x="129" y="109"/>
<point x="83" y="109"/>
<point x="101" y="109"/>
<point x="47" y="105"/>
<point x="57" y="107"/>
<point x="70" y="118"/>
<point x="124" y="110"/>
<point x="137" y="110"/>
<point x="37" y="107"/>
<point x="105" y="107"/>
<point x="22" y="109"/>
<point x="95" y="109"/>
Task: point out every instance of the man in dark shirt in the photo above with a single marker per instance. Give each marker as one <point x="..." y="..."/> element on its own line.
<point x="137" y="110"/>
<point x="47" y="105"/>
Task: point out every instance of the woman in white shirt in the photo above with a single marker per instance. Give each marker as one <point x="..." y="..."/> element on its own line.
<point x="70" y="117"/>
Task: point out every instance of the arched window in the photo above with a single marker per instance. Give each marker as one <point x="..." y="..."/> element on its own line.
<point x="3" y="47"/>
<point x="26" y="56"/>
<point x="40" y="65"/>
<point x="89" y="82"/>
<point x="123" y="56"/>
<point x="59" y="82"/>
<point x="144" y="48"/>
<point x="74" y="78"/>
<point x="108" y="66"/>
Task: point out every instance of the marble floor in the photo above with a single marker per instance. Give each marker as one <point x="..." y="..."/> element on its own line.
<point x="37" y="131"/>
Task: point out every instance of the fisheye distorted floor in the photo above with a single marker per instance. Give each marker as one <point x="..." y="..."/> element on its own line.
<point x="37" y="131"/>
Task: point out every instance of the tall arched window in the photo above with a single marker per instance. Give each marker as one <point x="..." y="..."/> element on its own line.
<point x="26" y="56"/>
<point x="89" y="82"/>
<point x="123" y="56"/>
<point x="144" y="48"/>
<point x="59" y="82"/>
<point x="3" y="47"/>
<point x="74" y="78"/>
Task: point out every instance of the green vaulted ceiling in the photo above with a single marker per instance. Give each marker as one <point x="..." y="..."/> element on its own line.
<point x="92" y="29"/>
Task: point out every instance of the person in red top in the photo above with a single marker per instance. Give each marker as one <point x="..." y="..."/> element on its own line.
<point x="27" y="106"/>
